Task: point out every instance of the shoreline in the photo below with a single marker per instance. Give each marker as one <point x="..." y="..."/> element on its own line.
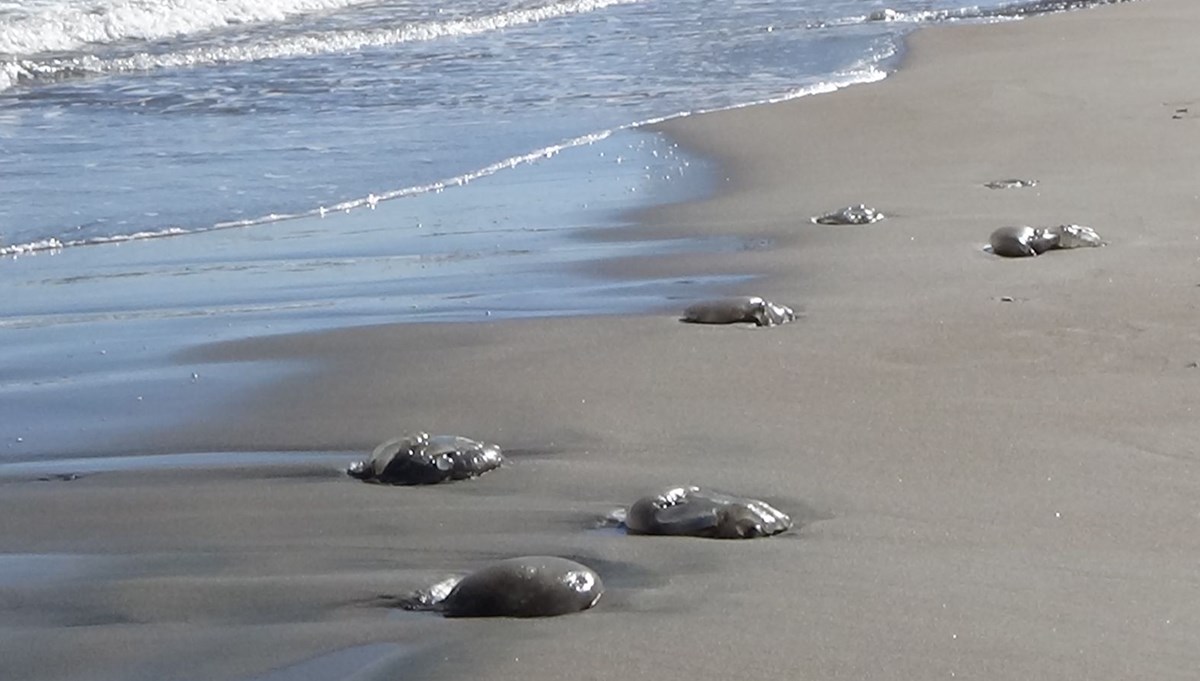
<point x="986" y="489"/>
<point x="93" y="336"/>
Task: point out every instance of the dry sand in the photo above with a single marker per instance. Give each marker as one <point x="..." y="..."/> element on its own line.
<point x="988" y="490"/>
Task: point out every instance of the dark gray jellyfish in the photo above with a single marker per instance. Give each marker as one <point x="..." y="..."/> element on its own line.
<point x="1013" y="183"/>
<point x="421" y="459"/>
<point x="750" y="309"/>
<point x="1023" y="240"/>
<point x="696" y="512"/>
<point x="529" y="586"/>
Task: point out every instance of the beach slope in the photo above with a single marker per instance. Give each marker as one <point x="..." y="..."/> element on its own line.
<point x="993" y="463"/>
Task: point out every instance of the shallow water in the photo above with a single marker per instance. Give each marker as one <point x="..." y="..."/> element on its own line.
<point x="90" y="337"/>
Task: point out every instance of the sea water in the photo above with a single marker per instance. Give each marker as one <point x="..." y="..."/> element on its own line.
<point x="180" y="171"/>
<point x="123" y="119"/>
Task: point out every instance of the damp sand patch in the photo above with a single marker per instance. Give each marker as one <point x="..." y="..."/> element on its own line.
<point x="61" y="470"/>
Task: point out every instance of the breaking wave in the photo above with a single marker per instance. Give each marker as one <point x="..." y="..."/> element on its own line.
<point x="31" y="70"/>
<point x="58" y="28"/>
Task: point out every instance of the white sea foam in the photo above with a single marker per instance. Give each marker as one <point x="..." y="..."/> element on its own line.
<point x="328" y="42"/>
<point x="65" y="27"/>
<point x="10" y="75"/>
<point x="1018" y="9"/>
<point x="52" y="244"/>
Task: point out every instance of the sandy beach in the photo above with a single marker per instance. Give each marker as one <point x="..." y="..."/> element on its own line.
<point x="992" y="462"/>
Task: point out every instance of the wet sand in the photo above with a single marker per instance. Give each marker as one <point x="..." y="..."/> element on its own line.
<point x="986" y="488"/>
